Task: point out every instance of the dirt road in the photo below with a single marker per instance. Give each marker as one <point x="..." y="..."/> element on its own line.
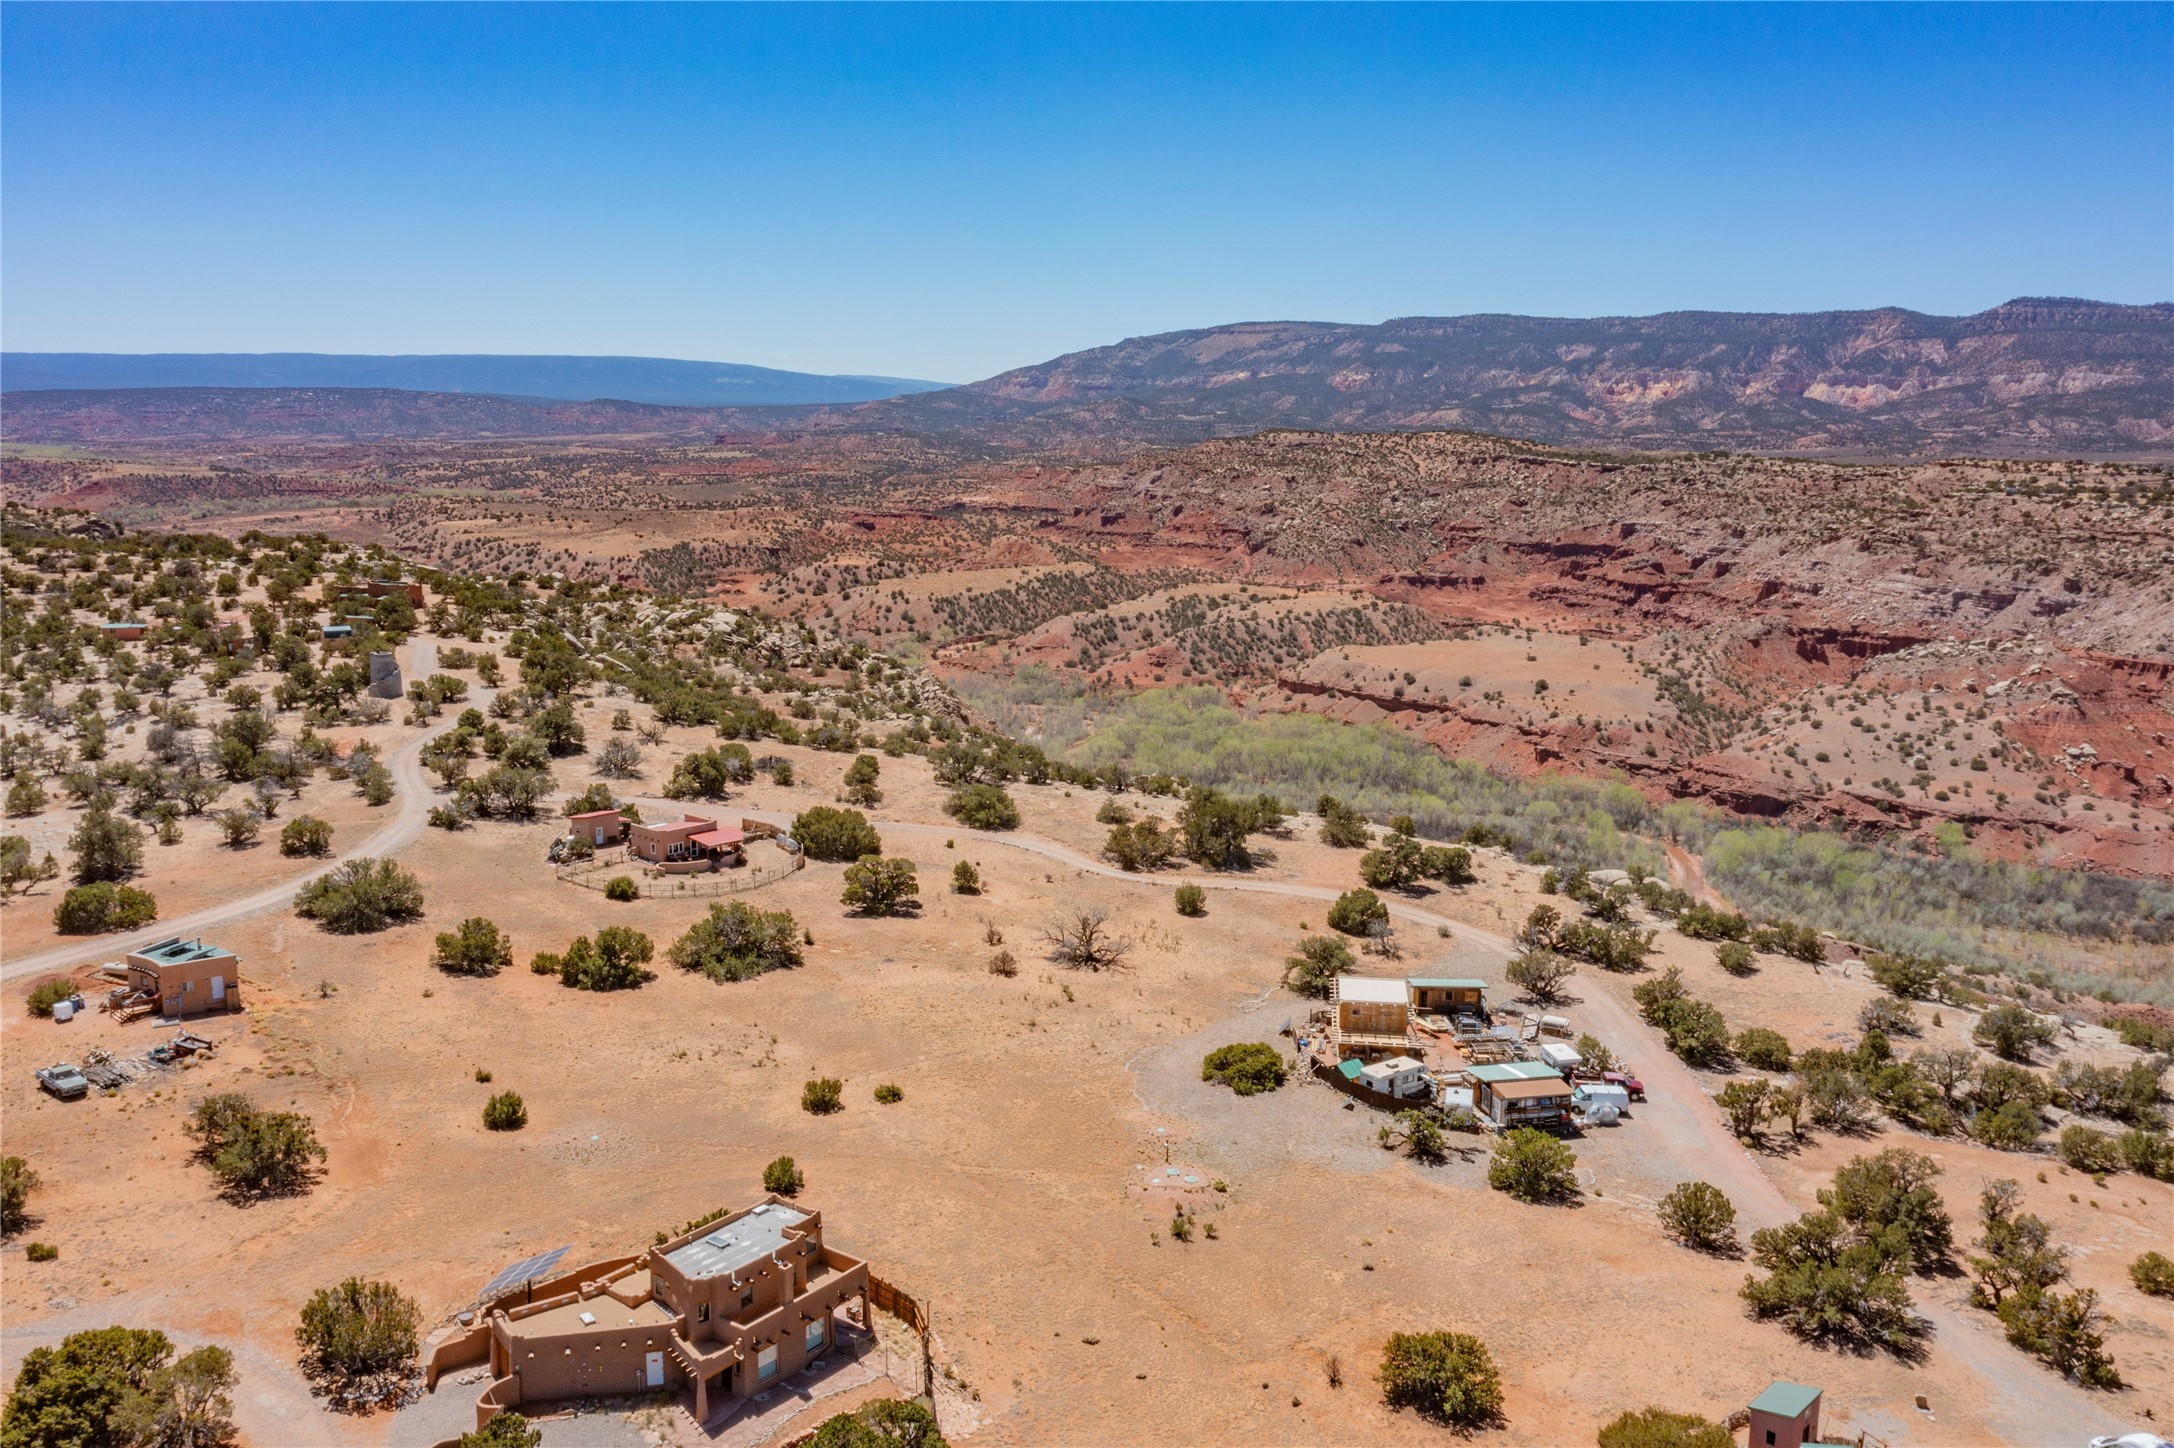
<point x="413" y="801"/>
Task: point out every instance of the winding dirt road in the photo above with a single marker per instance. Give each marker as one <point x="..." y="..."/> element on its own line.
<point x="413" y="801"/>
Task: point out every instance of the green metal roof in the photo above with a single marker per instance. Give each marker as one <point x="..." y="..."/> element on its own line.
<point x="1785" y="1400"/>
<point x="1352" y="1068"/>
<point x="1436" y="982"/>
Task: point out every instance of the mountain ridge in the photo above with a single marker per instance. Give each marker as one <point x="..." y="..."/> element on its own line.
<point x="661" y="381"/>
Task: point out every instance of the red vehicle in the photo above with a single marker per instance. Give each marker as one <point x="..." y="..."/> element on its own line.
<point x="1627" y="1081"/>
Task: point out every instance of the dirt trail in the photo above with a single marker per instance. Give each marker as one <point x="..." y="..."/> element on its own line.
<point x="414" y="799"/>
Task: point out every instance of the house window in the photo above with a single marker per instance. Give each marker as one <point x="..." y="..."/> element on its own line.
<point x="766" y="1364"/>
<point x="702" y="1313"/>
<point x="815" y="1334"/>
<point x="747" y="1298"/>
<point x="1770" y="1435"/>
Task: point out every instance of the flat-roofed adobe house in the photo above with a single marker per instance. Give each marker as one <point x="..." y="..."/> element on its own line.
<point x="1521" y="1093"/>
<point x="185" y="977"/>
<point x="600" y="827"/>
<point x="1373" y="1017"/>
<point x="685" y="846"/>
<point x="731" y="1309"/>
<point x="124" y="630"/>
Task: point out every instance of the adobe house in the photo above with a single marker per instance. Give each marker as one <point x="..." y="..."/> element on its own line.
<point x="126" y="631"/>
<point x="185" y="977"/>
<point x="600" y="827"/>
<point x="1443" y="996"/>
<point x="1786" y="1415"/>
<point x="731" y="1309"/>
<point x="1521" y="1093"/>
<point x="686" y="846"/>
<point x="1373" y="1017"/>
<point x="386" y="587"/>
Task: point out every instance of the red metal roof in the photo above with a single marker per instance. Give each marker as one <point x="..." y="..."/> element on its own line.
<point x="711" y="839"/>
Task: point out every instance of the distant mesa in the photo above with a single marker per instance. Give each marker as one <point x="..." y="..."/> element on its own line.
<point x="662" y="381"/>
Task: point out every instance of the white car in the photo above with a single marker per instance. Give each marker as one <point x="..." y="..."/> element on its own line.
<point x="2132" y="1440"/>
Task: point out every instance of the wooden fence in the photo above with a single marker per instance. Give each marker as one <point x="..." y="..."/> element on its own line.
<point x="657" y="885"/>
<point x="883" y="1295"/>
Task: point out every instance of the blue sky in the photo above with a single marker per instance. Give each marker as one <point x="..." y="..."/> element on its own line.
<point x="946" y="192"/>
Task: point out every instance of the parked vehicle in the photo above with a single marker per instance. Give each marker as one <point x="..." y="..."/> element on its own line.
<point x="1627" y="1081"/>
<point x="63" y="1081"/>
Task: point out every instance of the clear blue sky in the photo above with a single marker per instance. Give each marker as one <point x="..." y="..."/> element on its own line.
<point x="945" y="192"/>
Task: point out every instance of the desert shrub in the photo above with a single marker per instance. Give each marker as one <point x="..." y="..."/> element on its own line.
<point x="861" y="778"/>
<point x="1762" y="1048"/>
<point x="886" y="1423"/>
<point x="1785" y="937"/>
<point x="358" y="1331"/>
<point x="1735" y="957"/>
<point x="622" y="888"/>
<point x="835" y="834"/>
<point x="119" y="1387"/>
<point x="1212" y="827"/>
<point x="2088" y="1149"/>
<point x="1697" y="1032"/>
<point x="41" y="1252"/>
<point x="1744" y="1103"/>
<point x="1144" y="845"/>
<point x="254" y="1153"/>
<point x="1394" y="866"/>
<point x="49" y="993"/>
<point x="1342" y="827"/>
<point x="1448" y="864"/>
<point x="2011" y="1032"/>
<point x="17" y="1182"/>
<point x="477" y="947"/>
<point x="1447" y="1376"/>
<point x="1356" y="912"/>
<point x="617" y="960"/>
<point x="822" y="1096"/>
<point x="1540" y="974"/>
<point x="1890" y="1197"/>
<point x="1192" y="901"/>
<point x="738" y="942"/>
<point x="360" y="896"/>
<point x="2128" y="1094"/>
<point x="1827" y="1284"/>
<point x="509" y="1429"/>
<point x="107" y="848"/>
<point x="1004" y="963"/>
<point x="240" y="827"/>
<point x="2010" y="1126"/>
<point x="2062" y="1329"/>
<point x="505" y="1111"/>
<point x="888" y="1095"/>
<point x="95" y="909"/>
<point x="1611" y="947"/>
<point x="783" y="1176"/>
<point x="1700" y="1215"/>
<point x="617" y="759"/>
<point x="1113" y="813"/>
<point x="982" y="807"/>
<point x="1888" y="1017"/>
<point x="1313" y="971"/>
<point x="877" y="886"/>
<point x="2018" y="1247"/>
<point x="2147" y="1153"/>
<point x="2143" y="1033"/>
<point x="1248" y="1068"/>
<point x="711" y="773"/>
<point x="1659" y="1428"/>
<point x="1084" y="939"/>
<point x="1911" y="977"/>
<point x="1533" y="1167"/>
<point x="2153" y="1274"/>
<point x="1703" y="922"/>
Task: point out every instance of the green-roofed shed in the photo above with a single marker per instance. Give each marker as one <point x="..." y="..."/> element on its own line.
<point x="1351" y="1068"/>
<point x="1514" y="1071"/>
<point x="1786" y="1415"/>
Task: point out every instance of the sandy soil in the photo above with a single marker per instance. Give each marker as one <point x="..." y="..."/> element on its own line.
<point x="1008" y="1189"/>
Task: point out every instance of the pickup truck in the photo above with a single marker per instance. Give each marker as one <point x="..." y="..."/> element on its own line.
<point x="64" y="1081"/>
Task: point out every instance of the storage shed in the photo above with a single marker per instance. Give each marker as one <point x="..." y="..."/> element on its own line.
<point x="1399" y="1076"/>
<point x="1446" y="995"/>
<point x="1521" y="1093"/>
<point x="1373" y="1016"/>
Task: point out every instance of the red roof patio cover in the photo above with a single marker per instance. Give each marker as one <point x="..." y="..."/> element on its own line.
<point x="715" y="839"/>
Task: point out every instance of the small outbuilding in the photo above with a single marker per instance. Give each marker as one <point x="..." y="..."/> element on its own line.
<point x="184" y="977"/>
<point x="1373" y="1017"/>
<point x="1521" y="1093"/>
<point x="1786" y="1415"/>
<point x="124" y="630"/>
<point x="600" y="827"/>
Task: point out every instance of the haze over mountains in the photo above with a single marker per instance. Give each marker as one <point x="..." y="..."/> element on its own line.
<point x="2033" y="377"/>
<point x="660" y="380"/>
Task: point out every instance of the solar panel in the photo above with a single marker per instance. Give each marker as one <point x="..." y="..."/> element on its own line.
<point x="527" y="1269"/>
